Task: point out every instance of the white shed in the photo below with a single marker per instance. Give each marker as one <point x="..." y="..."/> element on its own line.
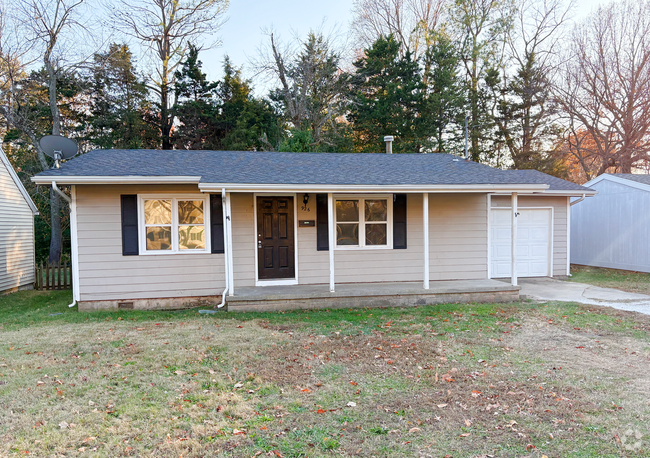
<point x="612" y="229"/>
<point x="17" y="212"/>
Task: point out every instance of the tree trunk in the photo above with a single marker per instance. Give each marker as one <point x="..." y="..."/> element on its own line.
<point x="165" y="124"/>
<point x="55" y="202"/>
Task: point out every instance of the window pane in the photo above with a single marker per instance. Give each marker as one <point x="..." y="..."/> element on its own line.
<point x="191" y="237"/>
<point x="376" y="210"/>
<point x="347" y="234"/>
<point x="347" y="210"/>
<point x="159" y="238"/>
<point x="157" y="211"/>
<point x="190" y="212"/>
<point x="376" y="234"/>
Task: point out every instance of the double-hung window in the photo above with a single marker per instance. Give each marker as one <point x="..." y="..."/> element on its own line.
<point x="363" y="222"/>
<point x="173" y="224"/>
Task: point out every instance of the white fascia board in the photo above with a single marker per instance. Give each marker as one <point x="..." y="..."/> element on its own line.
<point x="12" y="173"/>
<point x="315" y="188"/>
<point x="553" y="193"/>
<point x="619" y="180"/>
<point x="44" y="179"/>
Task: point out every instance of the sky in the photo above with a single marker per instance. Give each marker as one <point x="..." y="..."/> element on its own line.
<point x="242" y="34"/>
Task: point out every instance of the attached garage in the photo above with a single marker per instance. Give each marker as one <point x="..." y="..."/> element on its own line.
<point x="534" y="242"/>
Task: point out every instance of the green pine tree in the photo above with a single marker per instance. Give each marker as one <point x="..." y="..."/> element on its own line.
<point x="119" y="103"/>
<point x="385" y="97"/>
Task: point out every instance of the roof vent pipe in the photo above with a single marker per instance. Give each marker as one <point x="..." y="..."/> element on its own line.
<point x="389" y="144"/>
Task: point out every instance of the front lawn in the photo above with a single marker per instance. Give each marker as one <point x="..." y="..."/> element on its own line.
<point x="558" y="379"/>
<point x="625" y="280"/>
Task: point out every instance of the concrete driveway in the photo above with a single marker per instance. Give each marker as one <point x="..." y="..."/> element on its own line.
<point x="549" y="289"/>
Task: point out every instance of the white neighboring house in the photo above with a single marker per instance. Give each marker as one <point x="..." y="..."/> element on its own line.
<point x="17" y="211"/>
<point x="612" y="229"/>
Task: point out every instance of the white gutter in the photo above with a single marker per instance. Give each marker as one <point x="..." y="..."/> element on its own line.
<point x="320" y="188"/>
<point x="225" y="247"/>
<point x="579" y="200"/>
<point x="133" y="179"/>
<point x="69" y="201"/>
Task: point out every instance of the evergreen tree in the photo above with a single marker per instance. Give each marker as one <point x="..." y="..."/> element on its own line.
<point x="310" y="95"/>
<point x="442" y="110"/>
<point x="246" y="123"/>
<point x="119" y="106"/>
<point x="195" y="107"/>
<point x="385" y="97"/>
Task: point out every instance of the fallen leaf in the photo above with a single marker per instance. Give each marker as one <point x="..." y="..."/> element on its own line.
<point x="180" y="372"/>
<point x="236" y="432"/>
<point x="530" y="447"/>
<point x="465" y="434"/>
<point x="475" y="393"/>
<point x="306" y="390"/>
<point x="277" y="453"/>
<point x="351" y="404"/>
<point x="468" y="423"/>
<point x="414" y="430"/>
<point x="320" y="411"/>
<point x="442" y="406"/>
<point x="63" y="425"/>
<point x="238" y="385"/>
<point x="88" y="439"/>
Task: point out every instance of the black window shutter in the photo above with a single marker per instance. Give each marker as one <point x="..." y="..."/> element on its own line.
<point x="130" y="225"/>
<point x="399" y="222"/>
<point x="216" y="223"/>
<point x="322" y="237"/>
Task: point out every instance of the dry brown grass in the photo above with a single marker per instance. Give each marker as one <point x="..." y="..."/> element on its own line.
<point x="526" y="380"/>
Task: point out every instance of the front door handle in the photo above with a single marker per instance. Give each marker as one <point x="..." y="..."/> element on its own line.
<point x="259" y="244"/>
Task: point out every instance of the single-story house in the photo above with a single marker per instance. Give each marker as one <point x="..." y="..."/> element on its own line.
<point x="17" y="211"/>
<point x="266" y="230"/>
<point x="613" y="229"/>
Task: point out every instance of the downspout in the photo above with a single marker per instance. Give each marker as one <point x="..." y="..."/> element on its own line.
<point x="69" y="201"/>
<point x="579" y="200"/>
<point x="225" y="247"/>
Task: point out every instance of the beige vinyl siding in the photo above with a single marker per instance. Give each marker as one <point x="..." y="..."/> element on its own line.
<point x="16" y="235"/>
<point x="458" y="236"/>
<point x="559" y="205"/>
<point x="104" y="274"/>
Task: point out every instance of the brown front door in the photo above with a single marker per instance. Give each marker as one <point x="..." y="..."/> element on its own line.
<point x="275" y="243"/>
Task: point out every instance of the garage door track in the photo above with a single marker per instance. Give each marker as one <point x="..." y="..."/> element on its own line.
<point x="549" y="289"/>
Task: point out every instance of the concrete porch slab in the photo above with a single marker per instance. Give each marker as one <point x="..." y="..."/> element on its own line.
<point x="355" y="295"/>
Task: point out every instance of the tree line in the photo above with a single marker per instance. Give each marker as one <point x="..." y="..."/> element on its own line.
<point x="519" y="82"/>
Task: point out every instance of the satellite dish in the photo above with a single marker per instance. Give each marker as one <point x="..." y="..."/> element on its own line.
<point x="58" y="147"/>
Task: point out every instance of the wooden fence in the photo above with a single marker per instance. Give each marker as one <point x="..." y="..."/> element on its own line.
<point x="53" y="276"/>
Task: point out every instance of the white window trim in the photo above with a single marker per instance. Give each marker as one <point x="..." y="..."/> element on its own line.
<point x="142" y="232"/>
<point x="362" y="223"/>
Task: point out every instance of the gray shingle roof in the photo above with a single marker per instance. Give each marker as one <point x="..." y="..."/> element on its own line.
<point x="245" y="167"/>
<point x="645" y="179"/>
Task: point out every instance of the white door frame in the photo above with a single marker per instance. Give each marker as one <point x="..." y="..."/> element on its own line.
<point x="280" y="281"/>
<point x="550" y="237"/>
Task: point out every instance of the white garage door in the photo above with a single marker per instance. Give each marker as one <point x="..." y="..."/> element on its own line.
<point x="533" y="242"/>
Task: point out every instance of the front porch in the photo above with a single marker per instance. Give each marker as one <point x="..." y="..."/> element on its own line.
<point x="359" y="295"/>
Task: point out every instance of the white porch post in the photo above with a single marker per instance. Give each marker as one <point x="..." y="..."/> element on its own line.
<point x="513" y="267"/>
<point x="231" y="281"/>
<point x="425" y="219"/>
<point x="330" y="235"/>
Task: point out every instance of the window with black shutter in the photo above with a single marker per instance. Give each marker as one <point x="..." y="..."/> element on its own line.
<point x="129" y="225"/>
